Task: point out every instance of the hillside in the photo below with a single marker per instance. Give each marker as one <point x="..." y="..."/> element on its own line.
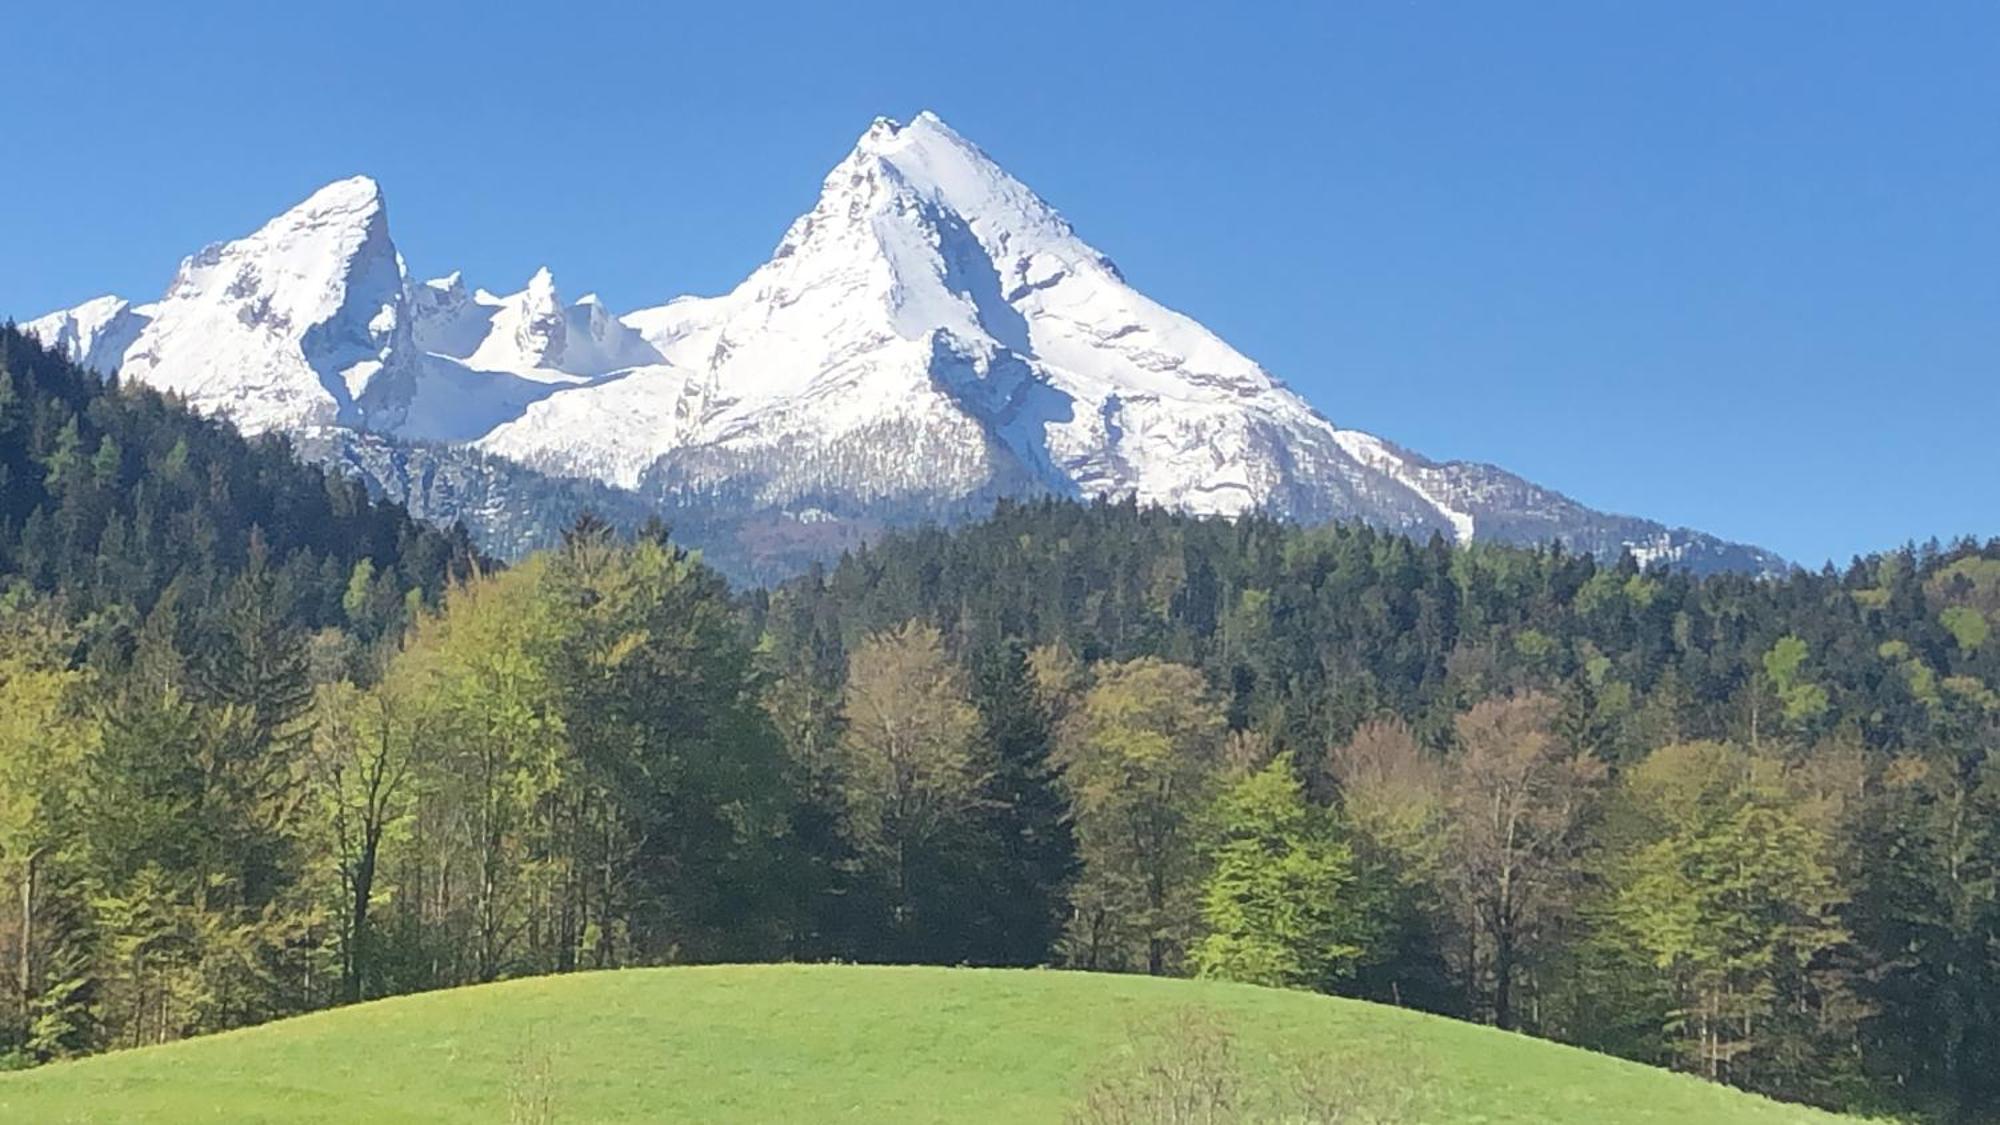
<point x="798" y="1043"/>
<point x="113" y="494"/>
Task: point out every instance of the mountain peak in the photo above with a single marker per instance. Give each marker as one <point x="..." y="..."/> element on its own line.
<point x="928" y="124"/>
<point x="355" y="195"/>
<point x="284" y="328"/>
<point x="925" y="167"/>
<point x="926" y="142"/>
<point x="888" y="132"/>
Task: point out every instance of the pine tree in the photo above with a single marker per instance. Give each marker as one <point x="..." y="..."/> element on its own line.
<point x="1029" y="850"/>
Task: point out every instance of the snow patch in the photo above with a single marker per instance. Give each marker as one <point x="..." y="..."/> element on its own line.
<point x="1378" y="455"/>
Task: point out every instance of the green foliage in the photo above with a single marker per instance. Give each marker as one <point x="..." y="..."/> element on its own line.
<point x="1141" y="758"/>
<point x="1803" y="701"/>
<point x="115" y="493"/>
<point x="1967" y="626"/>
<point x="675" y="759"/>
<point x="1928" y="891"/>
<point x="1279" y="902"/>
<point x="1392" y="807"/>
<point x="46" y="736"/>
<point x="1029" y="857"/>
<point x="267" y="745"/>
<point x="1517" y="802"/>
<point x="912" y="772"/>
<point x="587" y="726"/>
<point x="1725" y="893"/>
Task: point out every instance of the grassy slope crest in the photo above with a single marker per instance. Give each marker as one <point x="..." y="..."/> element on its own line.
<point x="817" y="1043"/>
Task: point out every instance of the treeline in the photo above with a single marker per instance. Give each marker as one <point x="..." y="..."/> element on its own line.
<point x="273" y="748"/>
<point x="1749" y="829"/>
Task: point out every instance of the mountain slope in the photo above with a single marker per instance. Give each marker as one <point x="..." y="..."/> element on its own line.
<point x="286" y="328"/>
<point x="114" y="497"/>
<point x="930" y="336"/>
<point x="825" y="1043"/>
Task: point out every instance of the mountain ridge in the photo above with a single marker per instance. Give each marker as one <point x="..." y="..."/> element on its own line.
<point x="929" y="336"/>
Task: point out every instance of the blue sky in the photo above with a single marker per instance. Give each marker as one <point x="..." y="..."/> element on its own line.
<point x="1735" y="266"/>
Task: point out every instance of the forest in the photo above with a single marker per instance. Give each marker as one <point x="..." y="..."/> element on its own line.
<point x="268" y="746"/>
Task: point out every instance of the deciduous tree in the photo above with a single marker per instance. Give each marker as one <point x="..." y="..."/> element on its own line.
<point x="1517" y="801"/>
<point x="1279" y="903"/>
<point x="1141" y="757"/>
<point x="911" y="758"/>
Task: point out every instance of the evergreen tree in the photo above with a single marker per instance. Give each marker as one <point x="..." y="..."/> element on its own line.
<point x="1029" y="857"/>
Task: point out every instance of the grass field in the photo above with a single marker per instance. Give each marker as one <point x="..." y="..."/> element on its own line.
<point x="820" y="1044"/>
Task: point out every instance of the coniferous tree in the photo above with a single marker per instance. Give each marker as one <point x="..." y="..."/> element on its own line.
<point x="1028" y="850"/>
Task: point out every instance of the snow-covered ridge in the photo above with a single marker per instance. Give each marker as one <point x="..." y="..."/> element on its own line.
<point x="96" y="334"/>
<point x="1418" y="477"/>
<point x="929" y="335"/>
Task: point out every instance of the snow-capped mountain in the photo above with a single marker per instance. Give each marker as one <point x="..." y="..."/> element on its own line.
<point x="930" y="336"/>
<point x="96" y="333"/>
<point x="288" y="328"/>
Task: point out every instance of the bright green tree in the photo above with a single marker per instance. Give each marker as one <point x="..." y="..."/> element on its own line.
<point x="1801" y="701"/>
<point x="497" y="757"/>
<point x="366" y="751"/>
<point x="45" y="736"/>
<point x="1279" y="902"/>
<point x="1727" y="893"/>
<point x="676" y="787"/>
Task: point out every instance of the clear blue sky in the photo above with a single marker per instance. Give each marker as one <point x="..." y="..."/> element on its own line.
<point x="1730" y="265"/>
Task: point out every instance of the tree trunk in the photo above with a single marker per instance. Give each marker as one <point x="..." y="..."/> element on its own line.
<point x="364" y="890"/>
<point x="563" y="828"/>
<point x="27" y="966"/>
<point x="606" y="893"/>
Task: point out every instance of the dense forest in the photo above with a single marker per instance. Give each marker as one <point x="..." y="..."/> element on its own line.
<point x="267" y="746"/>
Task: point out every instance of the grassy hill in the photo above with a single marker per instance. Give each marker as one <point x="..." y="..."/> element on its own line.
<point x="831" y="1043"/>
